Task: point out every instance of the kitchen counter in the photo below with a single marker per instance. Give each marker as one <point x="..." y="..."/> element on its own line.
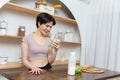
<point x="58" y="72"/>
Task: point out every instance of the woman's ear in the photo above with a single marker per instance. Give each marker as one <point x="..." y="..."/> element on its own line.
<point x="38" y="23"/>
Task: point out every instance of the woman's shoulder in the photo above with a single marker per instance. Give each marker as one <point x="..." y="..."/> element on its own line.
<point x="28" y="37"/>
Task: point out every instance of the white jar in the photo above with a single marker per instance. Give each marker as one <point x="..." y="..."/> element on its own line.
<point x="68" y="36"/>
<point x="3" y="60"/>
<point x="3" y="24"/>
<point x="72" y="64"/>
<point x="3" y="27"/>
<point x="3" y="31"/>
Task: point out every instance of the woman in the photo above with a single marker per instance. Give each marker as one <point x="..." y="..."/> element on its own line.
<point x="36" y="51"/>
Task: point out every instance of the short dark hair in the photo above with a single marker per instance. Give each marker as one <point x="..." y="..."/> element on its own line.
<point x="44" y="18"/>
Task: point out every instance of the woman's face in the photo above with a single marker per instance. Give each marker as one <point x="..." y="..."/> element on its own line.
<point x="45" y="28"/>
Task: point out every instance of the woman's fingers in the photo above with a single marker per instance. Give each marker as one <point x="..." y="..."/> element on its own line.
<point x="36" y="71"/>
<point x="56" y="43"/>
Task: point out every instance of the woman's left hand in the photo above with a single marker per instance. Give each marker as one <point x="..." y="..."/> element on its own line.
<point x="36" y="70"/>
<point x="55" y="44"/>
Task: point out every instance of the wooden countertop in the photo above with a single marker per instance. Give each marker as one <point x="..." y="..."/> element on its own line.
<point x="58" y="72"/>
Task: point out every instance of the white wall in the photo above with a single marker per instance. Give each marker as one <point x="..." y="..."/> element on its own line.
<point x="80" y="11"/>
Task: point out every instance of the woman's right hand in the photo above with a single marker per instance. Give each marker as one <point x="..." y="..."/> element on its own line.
<point x="36" y="70"/>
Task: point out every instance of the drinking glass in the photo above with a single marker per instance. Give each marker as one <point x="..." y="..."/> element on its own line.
<point x="56" y="39"/>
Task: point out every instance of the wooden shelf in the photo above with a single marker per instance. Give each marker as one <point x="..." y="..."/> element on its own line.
<point x="35" y="12"/>
<point x="20" y="37"/>
<point x="70" y="42"/>
<point x="11" y="65"/>
<point x="18" y="65"/>
<point x="11" y="36"/>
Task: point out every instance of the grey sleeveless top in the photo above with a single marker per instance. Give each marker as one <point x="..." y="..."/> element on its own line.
<point x="35" y="50"/>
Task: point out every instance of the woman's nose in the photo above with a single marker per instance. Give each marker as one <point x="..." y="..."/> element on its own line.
<point x="48" y="29"/>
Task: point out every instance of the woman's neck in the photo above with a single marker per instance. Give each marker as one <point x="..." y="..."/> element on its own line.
<point x="37" y="33"/>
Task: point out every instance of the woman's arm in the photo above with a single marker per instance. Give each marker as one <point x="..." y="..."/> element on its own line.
<point x="34" y="69"/>
<point x="51" y="55"/>
<point x="24" y="50"/>
<point x="52" y="52"/>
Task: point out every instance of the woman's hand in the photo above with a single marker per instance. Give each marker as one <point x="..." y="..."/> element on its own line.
<point x="55" y="44"/>
<point x="36" y="70"/>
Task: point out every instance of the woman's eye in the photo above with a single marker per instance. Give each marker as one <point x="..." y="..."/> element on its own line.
<point x="48" y="26"/>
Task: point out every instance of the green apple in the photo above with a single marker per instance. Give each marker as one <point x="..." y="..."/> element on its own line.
<point x="78" y="69"/>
